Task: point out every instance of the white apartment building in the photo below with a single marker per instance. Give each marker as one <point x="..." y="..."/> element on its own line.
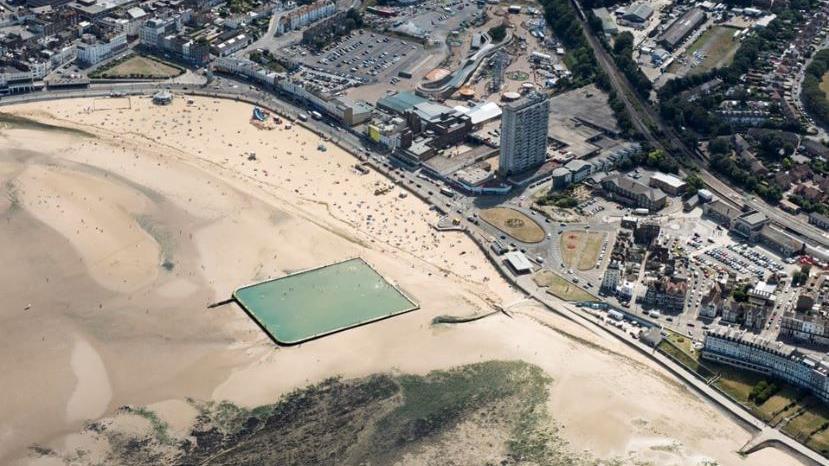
<point x="305" y="15"/>
<point x="92" y="51"/>
<point x="524" y="134"/>
<point x="751" y="352"/>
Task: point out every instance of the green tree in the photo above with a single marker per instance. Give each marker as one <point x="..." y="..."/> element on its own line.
<point x="719" y="146"/>
<point x="695" y="183"/>
<point x="498" y="33"/>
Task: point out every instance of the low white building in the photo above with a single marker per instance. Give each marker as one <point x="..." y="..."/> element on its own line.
<point x="518" y="262"/>
<point x="305" y="15"/>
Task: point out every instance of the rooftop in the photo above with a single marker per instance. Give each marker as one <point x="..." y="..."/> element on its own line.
<point x="667" y="179"/>
<point x="401" y="101"/>
<point x="754" y="218"/>
<point x="518" y="261"/>
<point x="630" y="185"/>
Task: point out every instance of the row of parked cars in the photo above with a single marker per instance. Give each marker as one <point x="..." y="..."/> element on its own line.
<point x="757" y="258"/>
<point x="735" y="262"/>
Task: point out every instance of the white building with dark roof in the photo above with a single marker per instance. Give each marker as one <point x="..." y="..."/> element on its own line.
<point x="754" y="353"/>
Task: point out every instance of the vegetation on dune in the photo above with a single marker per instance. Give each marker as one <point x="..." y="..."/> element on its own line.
<point x="380" y="419"/>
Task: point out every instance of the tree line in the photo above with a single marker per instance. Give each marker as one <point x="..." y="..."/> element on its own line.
<point x="814" y="98"/>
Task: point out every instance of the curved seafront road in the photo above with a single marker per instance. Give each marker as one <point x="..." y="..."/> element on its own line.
<point x="229" y="89"/>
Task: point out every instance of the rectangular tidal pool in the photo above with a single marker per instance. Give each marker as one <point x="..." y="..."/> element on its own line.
<point x="321" y="301"/>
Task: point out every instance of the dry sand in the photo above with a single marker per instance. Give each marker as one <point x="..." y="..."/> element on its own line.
<point x="115" y="245"/>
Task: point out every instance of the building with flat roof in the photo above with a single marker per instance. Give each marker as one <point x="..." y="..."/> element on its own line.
<point x="628" y="191"/>
<point x="579" y="168"/>
<point x="780" y="242"/>
<point x="481" y="113"/>
<point x="680" y="29"/>
<point x="819" y="220"/>
<point x="668" y="183"/>
<point x="518" y="262"/>
<point x="92" y="50"/>
<point x="400" y="102"/>
<point x="562" y="178"/>
<point x="721" y="212"/>
<point x="96" y="9"/>
<point x="524" y="134"/>
<point x="749" y="224"/>
<point x="608" y="23"/>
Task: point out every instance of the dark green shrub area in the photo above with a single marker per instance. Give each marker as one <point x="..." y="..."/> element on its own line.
<point x="813" y="96"/>
<point x="762" y="392"/>
<point x="498" y="33"/>
<point x="697" y="115"/>
<point x="580" y="60"/>
<point x="623" y="55"/>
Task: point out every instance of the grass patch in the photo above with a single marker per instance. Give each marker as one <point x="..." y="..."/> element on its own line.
<point x="718" y="45"/>
<point x="561" y="288"/>
<point x="590" y="250"/>
<point x="580" y="249"/>
<point x="514" y="223"/>
<point x="679" y="355"/>
<point x="811" y="425"/>
<point x="138" y="67"/>
<point x="824" y="84"/>
<point x="739" y="384"/>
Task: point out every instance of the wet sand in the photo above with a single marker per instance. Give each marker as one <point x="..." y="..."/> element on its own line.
<point x="118" y="244"/>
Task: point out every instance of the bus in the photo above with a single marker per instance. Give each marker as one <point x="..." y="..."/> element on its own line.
<point x="316" y="115"/>
<point x="447" y="192"/>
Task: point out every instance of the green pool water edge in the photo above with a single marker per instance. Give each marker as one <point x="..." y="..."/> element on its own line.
<point x="321" y="301"/>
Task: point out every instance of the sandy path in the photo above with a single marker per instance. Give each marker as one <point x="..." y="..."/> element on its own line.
<point x="92" y="393"/>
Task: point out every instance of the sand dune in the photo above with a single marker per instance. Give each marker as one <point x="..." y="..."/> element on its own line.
<point x="177" y="213"/>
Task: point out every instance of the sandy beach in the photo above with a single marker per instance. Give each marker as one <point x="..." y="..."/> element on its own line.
<point x="116" y="242"/>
